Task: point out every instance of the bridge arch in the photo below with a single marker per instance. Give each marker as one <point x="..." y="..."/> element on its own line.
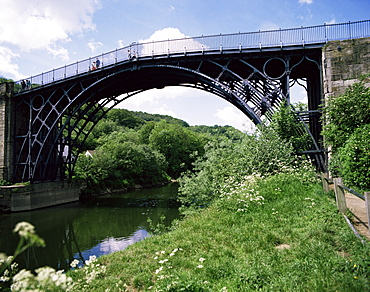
<point x="61" y="113"/>
<point x="254" y="71"/>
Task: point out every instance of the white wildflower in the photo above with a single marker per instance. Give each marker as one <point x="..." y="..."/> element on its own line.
<point x="74" y="263"/>
<point x="24" y="229"/>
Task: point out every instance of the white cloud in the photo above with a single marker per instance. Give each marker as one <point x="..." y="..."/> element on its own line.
<point x="58" y="52"/>
<point x="333" y="21"/>
<point x="154" y="101"/>
<point x="121" y="43"/>
<point x="156" y="42"/>
<point x="233" y="117"/>
<point x="164" y="34"/>
<point x="298" y="93"/>
<point x="305" y="1"/>
<point x="38" y="24"/>
<point x="94" y="45"/>
<point x="268" y="25"/>
<point x="6" y="65"/>
<point x="42" y="25"/>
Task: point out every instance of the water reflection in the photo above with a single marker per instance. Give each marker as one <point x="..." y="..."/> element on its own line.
<point x="97" y="227"/>
<point x="112" y="244"/>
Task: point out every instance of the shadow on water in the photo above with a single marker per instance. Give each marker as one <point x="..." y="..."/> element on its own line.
<point x="97" y="227"/>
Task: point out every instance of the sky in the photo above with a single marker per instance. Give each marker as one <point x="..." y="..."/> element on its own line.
<point x="39" y="35"/>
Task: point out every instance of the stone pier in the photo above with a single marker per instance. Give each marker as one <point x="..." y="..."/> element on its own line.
<point x="26" y="197"/>
<point x="6" y="131"/>
<point x="344" y="63"/>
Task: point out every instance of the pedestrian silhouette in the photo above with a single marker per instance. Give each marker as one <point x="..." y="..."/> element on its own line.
<point x="23" y="83"/>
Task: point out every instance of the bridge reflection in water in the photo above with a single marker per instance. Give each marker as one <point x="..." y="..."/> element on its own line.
<point x="100" y="226"/>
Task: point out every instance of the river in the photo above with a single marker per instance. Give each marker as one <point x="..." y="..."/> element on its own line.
<point x="100" y="226"/>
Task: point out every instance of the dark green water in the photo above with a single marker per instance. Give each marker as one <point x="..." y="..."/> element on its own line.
<point x="97" y="227"/>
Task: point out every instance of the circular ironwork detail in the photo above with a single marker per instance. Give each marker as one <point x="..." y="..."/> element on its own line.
<point x="274" y="68"/>
<point x="37" y="102"/>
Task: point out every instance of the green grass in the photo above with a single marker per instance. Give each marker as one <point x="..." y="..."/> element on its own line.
<point x="222" y="248"/>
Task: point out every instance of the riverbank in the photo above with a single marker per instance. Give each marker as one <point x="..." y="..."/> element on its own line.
<point x="276" y="234"/>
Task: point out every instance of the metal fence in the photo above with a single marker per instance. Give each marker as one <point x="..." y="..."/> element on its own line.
<point x="207" y="44"/>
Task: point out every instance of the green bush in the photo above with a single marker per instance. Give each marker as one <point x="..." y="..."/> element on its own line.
<point x="345" y="113"/>
<point x="290" y="128"/>
<point x="263" y="153"/>
<point x="355" y="158"/>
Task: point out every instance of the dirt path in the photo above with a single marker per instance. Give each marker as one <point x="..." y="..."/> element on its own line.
<point x="358" y="209"/>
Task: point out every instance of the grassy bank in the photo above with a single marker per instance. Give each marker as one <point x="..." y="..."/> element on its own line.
<point x="274" y="234"/>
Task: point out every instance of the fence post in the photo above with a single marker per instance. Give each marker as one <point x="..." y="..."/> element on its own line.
<point x="339" y="195"/>
<point x="325" y="182"/>
<point x="367" y="202"/>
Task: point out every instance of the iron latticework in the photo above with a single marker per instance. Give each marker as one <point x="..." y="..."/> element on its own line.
<point x="55" y="113"/>
<point x="54" y="120"/>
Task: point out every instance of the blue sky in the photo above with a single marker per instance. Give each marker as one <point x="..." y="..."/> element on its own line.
<point x="39" y="35"/>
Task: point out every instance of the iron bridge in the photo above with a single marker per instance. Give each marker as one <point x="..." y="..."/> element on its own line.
<point x="55" y="112"/>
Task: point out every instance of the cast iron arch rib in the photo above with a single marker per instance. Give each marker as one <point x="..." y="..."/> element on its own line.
<point x="69" y="107"/>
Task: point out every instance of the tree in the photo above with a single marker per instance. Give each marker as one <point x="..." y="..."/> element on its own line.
<point x="177" y="144"/>
<point x="123" y="117"/>
<point x="345" y="113"/>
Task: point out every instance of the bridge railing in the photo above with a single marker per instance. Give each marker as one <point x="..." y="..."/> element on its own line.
<point x="207" y="44"/>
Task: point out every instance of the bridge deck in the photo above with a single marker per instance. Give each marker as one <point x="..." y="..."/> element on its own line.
<point x="282" y="39"/>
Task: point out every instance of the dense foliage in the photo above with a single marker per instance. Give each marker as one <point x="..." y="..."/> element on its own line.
<point x="286" y="123"/>
<point x="135" y="148"/>
<point x="355" y="157"/>
<point x="138" y="148"/>
<point x="343" y="114"/>
<point x="347" y="133"/>
<point x="264" y="153"/>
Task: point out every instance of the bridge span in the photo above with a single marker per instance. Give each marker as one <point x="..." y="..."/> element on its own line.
<point x="254" y="71"/>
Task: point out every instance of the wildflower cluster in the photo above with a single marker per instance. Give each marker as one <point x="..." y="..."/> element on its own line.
<point x="166" y="279"/>
<point x="239" y="196"/>
<point x="311" y="202"/>
<point x="46" y="279"/>
<point x="91" y="271"/>
<point x="28" y="237"/>
<point x="164" y="262"/>
<point x="9" y="268"/>
<point x="164" y="270"/>
<point x="302" y="170"/>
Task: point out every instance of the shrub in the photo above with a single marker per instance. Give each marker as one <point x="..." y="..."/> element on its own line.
<point x="265" y="153"/>
<point x="346" y="113"/>
<point x="290" y="128"/>
<point x="355" y="158"/>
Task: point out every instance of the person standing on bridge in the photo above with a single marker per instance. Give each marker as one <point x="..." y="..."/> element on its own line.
<point x="23" y="83"/>
<point x="97" y="63"/>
